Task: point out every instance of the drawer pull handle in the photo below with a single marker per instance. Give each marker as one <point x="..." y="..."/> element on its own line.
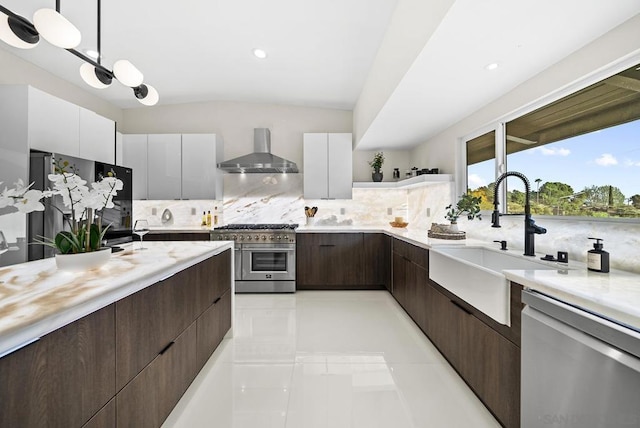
<point x="458" y="305"/>
<point x="327" y="245"/>
<point x="166" y="348"/>
<point x="217" y="300"/>
<point x="406" y="258"/>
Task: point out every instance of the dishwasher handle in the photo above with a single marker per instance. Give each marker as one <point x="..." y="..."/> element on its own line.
<point x="611" y="332"/>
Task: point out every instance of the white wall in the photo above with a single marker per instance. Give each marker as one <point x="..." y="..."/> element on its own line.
<point x="16" y="71"/>
<point x="393" y="159"/>
<point x="412" y="24"/>
<point x="235" y="121"/>
<point x="618" y="43"/>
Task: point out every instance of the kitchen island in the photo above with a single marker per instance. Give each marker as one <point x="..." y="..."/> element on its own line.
<point x="130" y="335"/>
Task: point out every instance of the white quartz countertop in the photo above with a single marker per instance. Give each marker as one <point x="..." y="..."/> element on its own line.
<point x="36" y="298"/>
<point x="614" y="295"/>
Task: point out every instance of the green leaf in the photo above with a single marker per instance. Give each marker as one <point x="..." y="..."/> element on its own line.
<point x="64" y="242"/>
<point x="95" y="237"/>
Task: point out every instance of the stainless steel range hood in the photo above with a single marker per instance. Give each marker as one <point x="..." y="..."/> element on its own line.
<point x="261" y="160"/>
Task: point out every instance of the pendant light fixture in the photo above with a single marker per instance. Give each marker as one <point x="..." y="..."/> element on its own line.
<point x="57" y="30"/>
<point x="16" y="31"/>
<point x="146" y="94"/>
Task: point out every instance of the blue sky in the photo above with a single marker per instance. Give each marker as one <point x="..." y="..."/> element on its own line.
<point x="607" y="157"/>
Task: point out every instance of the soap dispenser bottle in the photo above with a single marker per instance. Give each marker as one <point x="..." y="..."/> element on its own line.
<point x="598" y="259"/>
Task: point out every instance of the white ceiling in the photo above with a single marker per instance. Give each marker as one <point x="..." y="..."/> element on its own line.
<point x="199" y="50"/>
<point x="320" y="52"/>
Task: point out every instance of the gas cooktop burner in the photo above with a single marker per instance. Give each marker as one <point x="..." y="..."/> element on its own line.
<point x="279" y="226"/>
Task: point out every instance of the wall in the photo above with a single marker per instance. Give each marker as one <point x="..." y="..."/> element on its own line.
<point x="277" y="198"/>
<point x="618" y="43"/>
<point x="235" y="121"/>
<point x="16" y="71"/>
<point x="412" y="24"/>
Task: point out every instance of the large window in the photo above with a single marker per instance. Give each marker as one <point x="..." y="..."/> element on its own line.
<point x="580" y="153"/>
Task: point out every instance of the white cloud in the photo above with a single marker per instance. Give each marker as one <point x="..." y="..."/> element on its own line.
<point x="630" y="162"/>
<point x="553" y="151"/>
<point x="474" y="181"/>
<point x="606" y="159"/>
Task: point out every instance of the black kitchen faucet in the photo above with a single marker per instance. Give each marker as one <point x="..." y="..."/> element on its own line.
<point x="530" y="227"/>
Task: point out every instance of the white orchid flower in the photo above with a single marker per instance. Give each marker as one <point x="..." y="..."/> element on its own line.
<point x="30" y="202"/>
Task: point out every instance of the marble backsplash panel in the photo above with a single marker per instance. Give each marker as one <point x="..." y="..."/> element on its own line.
<point x="277" y="198"/>
<point x="621" y="239"/>
<point x="268" y="198"/>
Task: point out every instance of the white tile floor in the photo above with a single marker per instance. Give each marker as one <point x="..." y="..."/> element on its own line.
<point x="327" y="359"/>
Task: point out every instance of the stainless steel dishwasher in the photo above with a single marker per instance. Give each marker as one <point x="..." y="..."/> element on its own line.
<point x="578" y="368"/>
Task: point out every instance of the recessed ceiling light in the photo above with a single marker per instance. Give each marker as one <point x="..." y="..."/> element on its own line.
<point x="491" y="66"/>
<point x="259" y="53"/>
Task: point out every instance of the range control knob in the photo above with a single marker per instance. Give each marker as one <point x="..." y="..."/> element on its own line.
<point x="271" y="238"/>
<point x="233" y="237"/>
<point x="278" y="237"/>
<point x="257" y="238"/>
<point x="264" y="238"/>
<point x="240" y="237"/>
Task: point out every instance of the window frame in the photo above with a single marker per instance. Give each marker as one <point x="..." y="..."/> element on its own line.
<point x="499" y="126"/>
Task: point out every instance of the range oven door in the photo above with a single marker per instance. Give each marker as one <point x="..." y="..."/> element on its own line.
<point x="272" y="262"/>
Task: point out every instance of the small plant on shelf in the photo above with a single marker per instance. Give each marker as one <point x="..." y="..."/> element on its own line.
<point x="378" y="160"/>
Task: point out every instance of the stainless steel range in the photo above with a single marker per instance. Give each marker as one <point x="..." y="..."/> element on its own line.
<point x="265" y="256"/>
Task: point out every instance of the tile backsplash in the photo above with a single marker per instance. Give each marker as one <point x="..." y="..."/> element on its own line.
<point x="277" y="198"/>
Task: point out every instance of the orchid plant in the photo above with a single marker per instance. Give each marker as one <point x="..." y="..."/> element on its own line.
<point x="86" y="231"/>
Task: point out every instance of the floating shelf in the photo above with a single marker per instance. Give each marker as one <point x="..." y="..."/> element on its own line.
<point x="409" y="183"/>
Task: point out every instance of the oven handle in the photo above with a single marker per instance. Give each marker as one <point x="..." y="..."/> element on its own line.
<point x="270" y="248"/>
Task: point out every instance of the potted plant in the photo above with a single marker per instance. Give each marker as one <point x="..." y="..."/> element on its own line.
<point x="469" y="205"/>
<point x="85" y="232"/>
<point x="376" y="164"/>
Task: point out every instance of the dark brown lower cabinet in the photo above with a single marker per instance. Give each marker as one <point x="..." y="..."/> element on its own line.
<point x="148" y="399"/>
<point x="64" y="378"/>
<point x="212" y="325"/>
<point x="486" y="354"/>
<point x="125" y="365"/>
<point x="178" y="236"/>
<point x="342" y="261"/>
<point x="105" y="418"/>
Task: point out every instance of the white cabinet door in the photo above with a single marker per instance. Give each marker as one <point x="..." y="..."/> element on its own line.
<point x="315" y="159"/>
<point x="340" y="166"/>
<point x="201" y="178"/>
<point x="134" y="155"/>
<point x="53" y="124"/>
<point x="97" y="137"/>
<point x="328" y="166"/>
<point x="164" y="166"/>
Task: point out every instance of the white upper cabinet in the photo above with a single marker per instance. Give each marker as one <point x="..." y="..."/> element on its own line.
<point x="164" y="166"/>
<point x="134" y="156"/>
<point x="201" y="178"/>
<point x="328" y="165"/>
<point x="174" y="166"/>
<point x="54" y="124"/>
<point x="97" y="137"/>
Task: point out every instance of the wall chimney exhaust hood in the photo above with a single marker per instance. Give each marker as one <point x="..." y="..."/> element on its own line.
<point x="261" y="160"/>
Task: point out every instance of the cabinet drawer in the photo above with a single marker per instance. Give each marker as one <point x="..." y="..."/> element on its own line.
<point x="150" y="319"/>
<point x="105" y="418"/>
<point x="212" y="325"/>
<point x="329" y="239"/>
<point x="64" y="378"/>
<point x="415" y="254"/>
<point x="214" y="279"/>
<point x="149" y="398"/>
